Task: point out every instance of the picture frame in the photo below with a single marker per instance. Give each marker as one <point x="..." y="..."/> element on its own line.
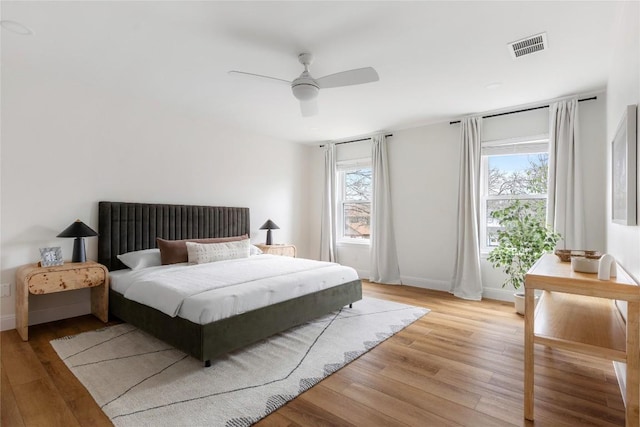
<point x="623" y="169"/>
<point x="50" y="257"/>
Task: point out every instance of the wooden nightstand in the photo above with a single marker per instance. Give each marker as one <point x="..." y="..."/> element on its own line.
<point x="284" y="250"/>
<point x="32" y="279"/>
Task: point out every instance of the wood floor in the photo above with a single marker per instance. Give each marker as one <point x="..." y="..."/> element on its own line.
<point x="459" y="365"/>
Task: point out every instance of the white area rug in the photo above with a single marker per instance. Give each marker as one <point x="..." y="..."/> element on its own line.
<point x="140" y="381"/>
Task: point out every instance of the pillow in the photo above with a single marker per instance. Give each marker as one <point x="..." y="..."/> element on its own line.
<point x="255" y="250"/>
<point x="200" y="253"/>
<point x="141" y="259"/>
<point x="175" y="251"/>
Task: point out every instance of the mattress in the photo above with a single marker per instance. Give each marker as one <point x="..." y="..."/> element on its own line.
<point x="209" y="292"/>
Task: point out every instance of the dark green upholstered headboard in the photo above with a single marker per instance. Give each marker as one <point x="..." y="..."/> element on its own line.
<point x="126" y="227"/>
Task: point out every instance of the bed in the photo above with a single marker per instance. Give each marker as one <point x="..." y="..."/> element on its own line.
<point x="126" y="227"/>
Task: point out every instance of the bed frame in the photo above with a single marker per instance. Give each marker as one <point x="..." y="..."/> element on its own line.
<point x="125" y="227"/>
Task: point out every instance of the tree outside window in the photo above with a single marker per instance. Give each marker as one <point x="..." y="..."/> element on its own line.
<point x="355" y="190"/>
<point x="522" y="174"/>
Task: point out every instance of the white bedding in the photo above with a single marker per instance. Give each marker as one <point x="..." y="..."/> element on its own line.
<point x="205" y="293"/>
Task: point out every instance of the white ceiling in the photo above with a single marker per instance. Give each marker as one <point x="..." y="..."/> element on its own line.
<point x="435" y="59"/>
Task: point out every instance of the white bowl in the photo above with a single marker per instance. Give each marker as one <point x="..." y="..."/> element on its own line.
<point x="584" y="265"/>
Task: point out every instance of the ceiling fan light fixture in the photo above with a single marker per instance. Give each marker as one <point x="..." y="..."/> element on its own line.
<point x="305" y="91"/>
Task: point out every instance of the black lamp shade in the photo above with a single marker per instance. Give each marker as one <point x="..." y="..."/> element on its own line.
<point x="269" y="225"/>
<point x="79" y="230"/>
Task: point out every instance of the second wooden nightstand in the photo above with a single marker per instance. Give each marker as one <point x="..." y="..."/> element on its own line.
<point x="284" y="250"/>
<point x="32" y="279"/>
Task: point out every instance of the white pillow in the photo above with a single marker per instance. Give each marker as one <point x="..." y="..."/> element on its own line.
<point x="255" y="250"/>
<point x="141" y="259"/>
<point x="200" y="253"/>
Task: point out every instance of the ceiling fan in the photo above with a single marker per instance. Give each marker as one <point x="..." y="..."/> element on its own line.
<point x="305" y="88"/>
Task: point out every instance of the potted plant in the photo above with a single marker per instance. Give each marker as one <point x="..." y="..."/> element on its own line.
<point x="522" y="239"/>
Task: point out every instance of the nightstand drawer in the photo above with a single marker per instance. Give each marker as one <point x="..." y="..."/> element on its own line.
<point x="45" y="282"/>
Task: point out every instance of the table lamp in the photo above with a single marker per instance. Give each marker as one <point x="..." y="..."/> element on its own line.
<point x="269" y="225"/>
<point x="79" y="230"/>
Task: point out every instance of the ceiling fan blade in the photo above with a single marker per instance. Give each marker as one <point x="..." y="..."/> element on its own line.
<point x="274" y="79"/>
<point x="348" y="78"/>
<point x="309" y="108"/>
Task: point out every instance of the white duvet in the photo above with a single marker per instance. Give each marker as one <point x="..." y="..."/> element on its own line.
<point x="205" y="293"/>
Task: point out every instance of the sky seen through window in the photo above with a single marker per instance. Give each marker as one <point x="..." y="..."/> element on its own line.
<point x="512" y="162"/>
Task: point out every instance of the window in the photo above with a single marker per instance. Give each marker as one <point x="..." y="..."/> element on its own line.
<point x="511" y="169"/>
<point x="354" y="181"/>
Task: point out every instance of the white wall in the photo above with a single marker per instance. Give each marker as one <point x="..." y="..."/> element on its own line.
<point x="424" y="165"/>
<point x="67" y="145"/>
<point x="623" y="89"/>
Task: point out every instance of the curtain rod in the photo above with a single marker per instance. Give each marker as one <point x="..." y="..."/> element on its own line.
<point x="356" y="140"/>
<point x="523" y="110"/>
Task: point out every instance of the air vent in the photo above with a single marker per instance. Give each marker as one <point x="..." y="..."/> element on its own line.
<point x="528" y="46"/>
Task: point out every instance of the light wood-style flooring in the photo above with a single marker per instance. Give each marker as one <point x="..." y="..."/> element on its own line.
<point x="459" y="365"/>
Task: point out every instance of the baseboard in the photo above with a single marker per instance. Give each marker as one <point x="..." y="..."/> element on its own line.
<point x="435" y="285"/>
<point x="363" y="274"/>
<point x="7" y="322"/>
<point x="445" y="286"/>
<point x="46" y="315"/>
<point x="418" y="282"/>
<point x="498" y="294"/>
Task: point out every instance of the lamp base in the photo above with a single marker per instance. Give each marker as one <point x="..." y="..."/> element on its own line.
<point x="79" y="254"/>
<point x="268" y="237"/>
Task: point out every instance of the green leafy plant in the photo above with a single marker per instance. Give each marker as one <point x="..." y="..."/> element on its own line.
<point x="522" y="240"/>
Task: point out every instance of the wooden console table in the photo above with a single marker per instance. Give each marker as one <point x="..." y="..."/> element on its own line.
<point x="577" y="312"/>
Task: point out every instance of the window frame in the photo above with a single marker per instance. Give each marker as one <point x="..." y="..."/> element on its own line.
<point x="536" y="144"/>
<point x="342" y="167"/>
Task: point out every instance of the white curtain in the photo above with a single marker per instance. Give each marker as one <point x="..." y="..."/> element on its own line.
<point x="328" y="220"/>
<point x="565" y="205"/>
<point x="467" y="281"/>
<point x="384" y="257"/>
